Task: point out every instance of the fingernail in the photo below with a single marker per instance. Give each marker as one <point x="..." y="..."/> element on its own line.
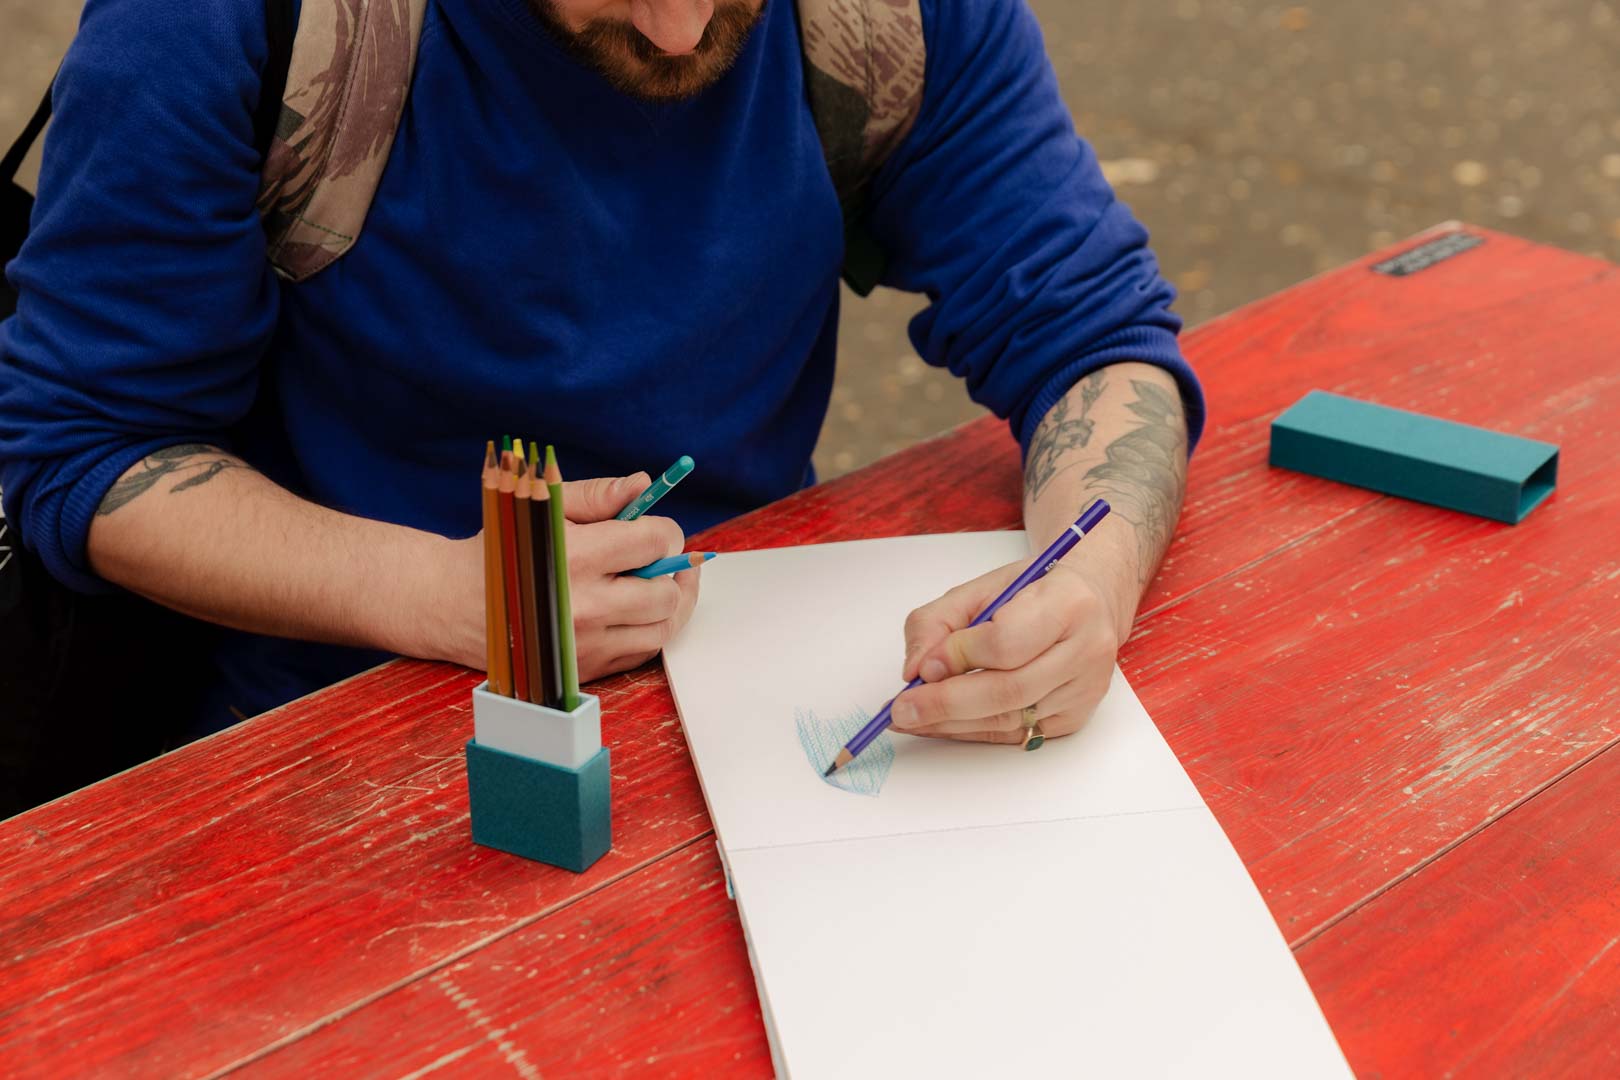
<point x="934" y="670"/>
<point x="903" y="715"/>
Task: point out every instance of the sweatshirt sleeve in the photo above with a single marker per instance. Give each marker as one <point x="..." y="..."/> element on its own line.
<point x="999" y="213"/>
<point x="145" y="302"/>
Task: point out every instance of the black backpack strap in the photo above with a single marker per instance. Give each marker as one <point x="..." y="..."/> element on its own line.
<point x="19" y="149"/>
<point x="281" y="26"/>
<point x="280" y="23"/>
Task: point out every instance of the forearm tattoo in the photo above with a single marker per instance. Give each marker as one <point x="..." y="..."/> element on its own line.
<point x="1057" y="435"/>
<point x="191" y="464"/>
<point x="1144" y="473"/>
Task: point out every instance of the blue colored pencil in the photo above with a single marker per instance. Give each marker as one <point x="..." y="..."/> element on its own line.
<point x="1088" y="519"/>
<point x="672" y="565"/>
<point x="657" y="489"/>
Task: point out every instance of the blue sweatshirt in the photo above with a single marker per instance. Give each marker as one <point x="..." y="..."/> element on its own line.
<point x="545" y="256"/>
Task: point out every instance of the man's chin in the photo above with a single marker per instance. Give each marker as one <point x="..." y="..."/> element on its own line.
<point x="667" y="79"/>
<point x="634" y="66"/>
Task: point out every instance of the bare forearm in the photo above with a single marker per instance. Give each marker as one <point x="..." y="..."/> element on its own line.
<point x="1120" y="435"/>
<point x="199" y="530"/>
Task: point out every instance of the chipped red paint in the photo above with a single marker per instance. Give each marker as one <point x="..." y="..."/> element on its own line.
<point x="1403" y="716"/>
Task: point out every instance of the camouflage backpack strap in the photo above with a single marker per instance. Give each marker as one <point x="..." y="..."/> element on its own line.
<point x="864" y="62"/>
<point x="346" y="85"/>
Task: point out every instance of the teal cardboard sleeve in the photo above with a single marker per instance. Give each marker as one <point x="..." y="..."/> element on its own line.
<point x="556" y="811"/>
<point x="1457" y="466"/>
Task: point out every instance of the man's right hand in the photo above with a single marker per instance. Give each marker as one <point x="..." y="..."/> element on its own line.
<point x="621" y="622"/>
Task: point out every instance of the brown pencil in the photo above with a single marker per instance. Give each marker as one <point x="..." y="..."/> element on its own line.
<point x="509" y="561"/>
<point x="527" y="583"/>
<point x="499" y="663"/>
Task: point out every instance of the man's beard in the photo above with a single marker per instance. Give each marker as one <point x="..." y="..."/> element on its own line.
<point x="623" y="56"/>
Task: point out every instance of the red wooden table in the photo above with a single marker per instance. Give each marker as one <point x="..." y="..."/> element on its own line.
<point x="1405" y="718"/>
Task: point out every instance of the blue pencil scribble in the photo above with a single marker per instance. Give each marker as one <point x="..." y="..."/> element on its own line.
<point x="822" y="738"/>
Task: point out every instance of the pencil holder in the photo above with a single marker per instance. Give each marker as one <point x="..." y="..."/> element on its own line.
<point x="538" y="780"/>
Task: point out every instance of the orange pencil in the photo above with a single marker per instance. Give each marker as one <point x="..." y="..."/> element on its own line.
<point x="509" y="561"/>
<point x="499" y="665"/>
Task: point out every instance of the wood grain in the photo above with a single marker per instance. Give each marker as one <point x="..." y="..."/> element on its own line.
<point x="673" y="958"/>
<point x="1368" y="692"/>
<point x="1502" y="959"/>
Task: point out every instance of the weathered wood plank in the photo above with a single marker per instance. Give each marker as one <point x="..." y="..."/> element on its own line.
<point x="1354" y="705"/>
<point x="347" y="869"/>
<point x="648" y="977"/>
<point x="1500" y="959"/>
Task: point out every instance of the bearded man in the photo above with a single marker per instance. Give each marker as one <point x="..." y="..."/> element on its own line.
<point x="608" y="224"/>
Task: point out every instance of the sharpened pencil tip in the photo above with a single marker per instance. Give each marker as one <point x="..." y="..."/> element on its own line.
<point x="831" y="769"/>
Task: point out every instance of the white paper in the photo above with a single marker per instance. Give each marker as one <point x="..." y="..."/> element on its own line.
<point x="1076" y="911"/>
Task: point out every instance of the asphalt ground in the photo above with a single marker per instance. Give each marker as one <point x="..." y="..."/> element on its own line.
<point x="1260" y="143"/>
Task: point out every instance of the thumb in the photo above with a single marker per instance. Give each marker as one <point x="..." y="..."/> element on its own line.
<point x="601" y="497"/>
<point x="928" y="626"/>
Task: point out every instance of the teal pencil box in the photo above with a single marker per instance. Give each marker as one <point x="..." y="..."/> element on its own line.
<point x="1457" y="466"/>
<point x="538" y="780"/>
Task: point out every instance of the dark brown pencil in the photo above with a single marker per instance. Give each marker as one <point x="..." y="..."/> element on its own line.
<point x="527" y="583"/>
<point x="545" y="587"/>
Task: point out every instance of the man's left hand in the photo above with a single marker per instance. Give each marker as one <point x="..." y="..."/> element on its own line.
<point x="1052" y="647"/>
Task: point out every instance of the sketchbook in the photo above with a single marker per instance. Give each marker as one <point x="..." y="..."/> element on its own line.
<point x="953" y="909"/>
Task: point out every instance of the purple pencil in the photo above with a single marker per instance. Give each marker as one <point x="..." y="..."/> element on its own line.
<point x="1088" y="519"/>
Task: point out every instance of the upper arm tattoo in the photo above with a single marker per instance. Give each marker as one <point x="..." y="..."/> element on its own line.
<point x="191" y="464"/>
<point x="1058" y="434"/>
<point x="1143" y="474"/>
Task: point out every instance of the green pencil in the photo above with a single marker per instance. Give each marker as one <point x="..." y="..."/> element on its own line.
<point x="565" y="607"/>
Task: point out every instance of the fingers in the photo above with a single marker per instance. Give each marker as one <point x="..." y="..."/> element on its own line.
<point x="612" y="547"/>
<point x="1030" y="623"/>
<point x="982" y="700"/>
<point x="625" y="601"/>
<point x="930" y="624"/>
<point x="635" y="620"/>
<point x="1053" y="647"/>
<point x="1060" y="712"/>
<point x="601" y="497"/>
<point x="688" y="581"/>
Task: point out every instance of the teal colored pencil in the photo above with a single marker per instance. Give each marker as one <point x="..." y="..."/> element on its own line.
<point x="672" y="565"/>
<point x="657" y="489"/>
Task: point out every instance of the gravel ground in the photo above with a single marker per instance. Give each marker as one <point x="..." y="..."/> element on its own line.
<point x="1260" y="143"/>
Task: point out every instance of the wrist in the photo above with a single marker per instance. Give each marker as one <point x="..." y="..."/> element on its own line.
<point x="410" y="596"/>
